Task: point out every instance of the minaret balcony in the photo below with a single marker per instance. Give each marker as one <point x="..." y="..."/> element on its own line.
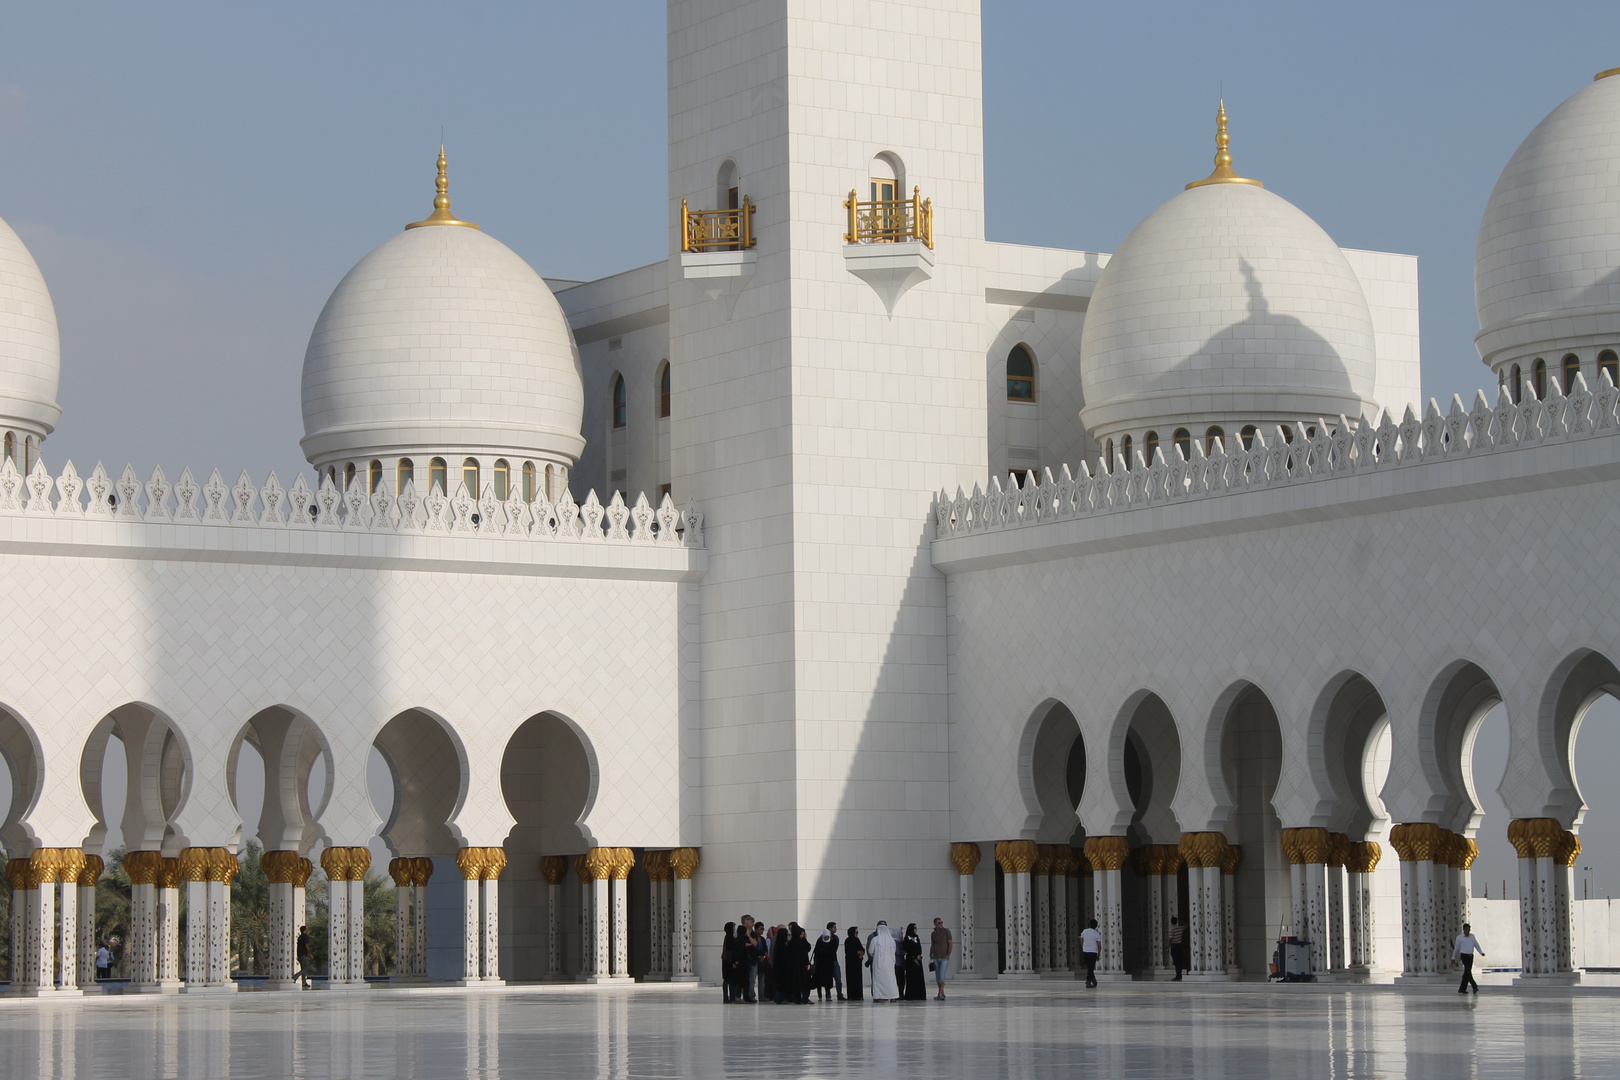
<point x="890" y="244"/>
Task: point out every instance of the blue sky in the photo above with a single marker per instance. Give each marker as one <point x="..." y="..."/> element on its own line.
<point x="195" y="178"/>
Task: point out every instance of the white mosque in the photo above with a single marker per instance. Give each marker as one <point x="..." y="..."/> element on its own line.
<point x="846" y="565"/>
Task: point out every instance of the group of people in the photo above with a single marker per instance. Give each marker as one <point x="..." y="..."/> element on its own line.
<point x="781" y="963"/>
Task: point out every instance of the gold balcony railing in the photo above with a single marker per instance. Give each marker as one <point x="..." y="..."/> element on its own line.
<point x="717" y="230"/>
<point x="887" y="221"/>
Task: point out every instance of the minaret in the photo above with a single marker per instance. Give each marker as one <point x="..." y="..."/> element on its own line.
<point x="812" y="424"/>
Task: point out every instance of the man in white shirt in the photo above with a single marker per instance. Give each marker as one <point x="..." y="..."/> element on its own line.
<point x="1090" y="948"/>
<point x="1467" y="948"/>
<point x="103" y="962"/>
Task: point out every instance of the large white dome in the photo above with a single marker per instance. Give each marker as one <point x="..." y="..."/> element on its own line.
<point x="1547" y="271"/>
<point x="30" y="350"/>
<point x="1229" y="306"/>
<point x="442" y="341"/>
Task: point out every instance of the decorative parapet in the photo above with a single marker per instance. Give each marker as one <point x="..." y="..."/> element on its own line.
<point x="270" y="506"/>
<point x="1336" y="450"/>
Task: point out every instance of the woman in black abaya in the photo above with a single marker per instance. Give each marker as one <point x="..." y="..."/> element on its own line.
<point x="915" y="986"/>
<point x="854" y="957"/>
<point x="824" y="962"/>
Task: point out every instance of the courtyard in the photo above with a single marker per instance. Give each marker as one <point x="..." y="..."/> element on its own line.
<point x="985" y="1031"/>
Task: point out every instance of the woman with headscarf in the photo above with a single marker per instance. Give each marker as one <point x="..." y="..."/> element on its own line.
<point x="781" y="969"/>
<point x="799" y="961"/>
<point x="915" y="987"/>
<point x="823" y="963"/>
<point x="854" y="953"/>
<point x="880" y="958"/>
<point x="728" y="963"/>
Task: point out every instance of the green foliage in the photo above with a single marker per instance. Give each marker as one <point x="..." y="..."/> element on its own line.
<point x="250" y="914"/>
<point x="317" y="904"/>
<point x="379" y="923"/>
<point x="113" y="910"/>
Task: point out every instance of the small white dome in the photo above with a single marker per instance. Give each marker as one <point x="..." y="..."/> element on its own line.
<point x="30" y="350"/>
<point x="1547" y="270"/>
<point x="442" y="340"/>
<point x="1226" y="305"/>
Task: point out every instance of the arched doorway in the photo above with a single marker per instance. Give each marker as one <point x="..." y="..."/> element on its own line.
<point x="1157" y="891"/>
<point x="1055" y="764"/>
<point x="1251" y="765"/>
<point x="548" y="781"/>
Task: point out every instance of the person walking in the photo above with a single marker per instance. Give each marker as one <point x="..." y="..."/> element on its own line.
<point x="880" y="961"/>
<point x="1467" y="948"/>
<point x="1090" y="949"/>
<point x="103" y="962"/>
<point x="854" y="954"/>
<point x="824" y="961"/>
<point x="1178" y="946"/>
<point x="939" y="956"/>
<point x="306" y="958"/>
<point x="915" y="987"/>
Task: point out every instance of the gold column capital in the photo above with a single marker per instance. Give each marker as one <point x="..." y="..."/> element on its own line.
<point x="1201" y="849"/>
<point x="470" y="861"/>
<point x="193" y="863"/>
<point x="1566" y="852"/>
<point x="222" y="865"/>
<point x="94" y="867"/>
<point x="43" y="867"/>
<point x="1017" y="856"/>
<point x="168" y="874"/>
<point x="143" y="866"/>
<point x="1535" y="838"/>
<point x="403" y="871"/>
<point x="684" y="861"/>
<point x="281" y="867"/>
<point x="17" y="873"/>
<point x="1107" y="852"/>
<point x="1231" y="856"/>
<point x="1338" y="849"/>
<point x="582" y="867"/>
<point x="1305" y="845"/>
<point x="553" y="867"/>
<point x="305" y="868"/>
<point x="494" y="862"/>
<point x="622" y="861"/>
<point x="657" y="864"/>
<point x="1078" y="862"/>
<point x="1363" y="857"/>
<point x="421" y="870"/>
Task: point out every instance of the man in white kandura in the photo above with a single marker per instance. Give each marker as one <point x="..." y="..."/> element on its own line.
<point x="1467" y="948"/>
<point x="880" y="958"/>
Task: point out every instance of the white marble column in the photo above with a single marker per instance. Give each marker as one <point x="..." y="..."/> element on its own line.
<point x="1107" y="855"/>
<point x="490" y="916"/>
<point x="283" y="933"/>
<point x="1077" y="915"/>
<point x="166" y="915"/>
<point x="584" y="868"/>
<point x="346" y="914"/>
<point x="684" y="862"/>
<point x="86" y="885"/>
<point x="1040" y="891"/>
<point x="554" y="868"/>
<point x="602" y="928"/>
<point x="197" y="918"/>
<point x="623" y="861"/>
<point x="403" y="872"/>
<point x="423" y="866"/>
<point x="67" y="935"/>
<point x="965" y="857"/>
<point x="471" y="934"/>
<point x="1363" y="858"/>
<point x="1563" y="899"/>
<point x="41" y="947"/>
<point x="1058" y="881"/>
<point x="17" y="870"/>
<point x="1229" y="907"/>
<point x="1316" y="909"/>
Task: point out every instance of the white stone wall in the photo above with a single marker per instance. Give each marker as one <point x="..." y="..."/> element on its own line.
<point x="1390" y="283"/>
<point x="1397" y="576"/>
<point x="208" y="623"/>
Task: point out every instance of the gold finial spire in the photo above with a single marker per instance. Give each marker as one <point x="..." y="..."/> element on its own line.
<point x="1223" y="173"/>
<point x="441" y="202"/>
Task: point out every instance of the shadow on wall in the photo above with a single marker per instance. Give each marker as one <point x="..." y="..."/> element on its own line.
<point x="1283" y="340"/>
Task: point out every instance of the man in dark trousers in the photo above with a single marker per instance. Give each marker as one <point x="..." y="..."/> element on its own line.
<point x="1090" y="947"/>
<point x="306" y="957"/>
<point x="1178" y="947"/>
<point x="1467" y="948"/>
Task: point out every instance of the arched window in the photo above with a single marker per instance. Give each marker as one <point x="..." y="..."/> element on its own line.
<point x="663" y="391"/>
<point x="503" y="477"/>
<point x="439" y="475"/>
<point x="469" y="476"/>
<point x="1518" y="384"/>
<point x="1109" y="454"/>
<point x="1572" y="368"/>
<point x="1247" y="434"/>
<point x="1020" y="375"/>
<point x="331" y="474"/>
<point x="406" y="473"/>
<point x="1215" y="432"/>
<point x="11" y="446"/>
<point x="551" y="476"/>
<point x="528" y="481"/>
<point x="620" y="412"/>
<point x="1288" y="433"/>
<point x="1609" y="362"/>
<point x="374" y="477"/>
<point x="1538" y="378"/>
<point x="1150" y="446"/>
<point x="348" y="476"/>
<point x="1125" y="449"/>
<point x="1183" y="441"/>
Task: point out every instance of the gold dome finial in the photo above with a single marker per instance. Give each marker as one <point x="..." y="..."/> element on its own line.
<point x="441" y="202"/>
<point x="1223" y="173"/>
<point x="1605" y="74"/>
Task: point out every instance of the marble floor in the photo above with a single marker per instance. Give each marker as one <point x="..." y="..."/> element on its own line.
<point x="984" y="1032"/>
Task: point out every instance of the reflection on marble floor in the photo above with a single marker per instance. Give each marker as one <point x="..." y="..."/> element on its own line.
<point x="984" y="1033"/>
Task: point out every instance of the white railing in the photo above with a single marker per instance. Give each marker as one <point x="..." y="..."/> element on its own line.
<point x="1336" y="450"/>
<point x="270" y="506"/>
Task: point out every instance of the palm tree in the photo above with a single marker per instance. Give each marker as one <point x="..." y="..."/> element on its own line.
<point x="250" y="913"/>
<point x="113" y="908"/>
<point x="379" y="924"/>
